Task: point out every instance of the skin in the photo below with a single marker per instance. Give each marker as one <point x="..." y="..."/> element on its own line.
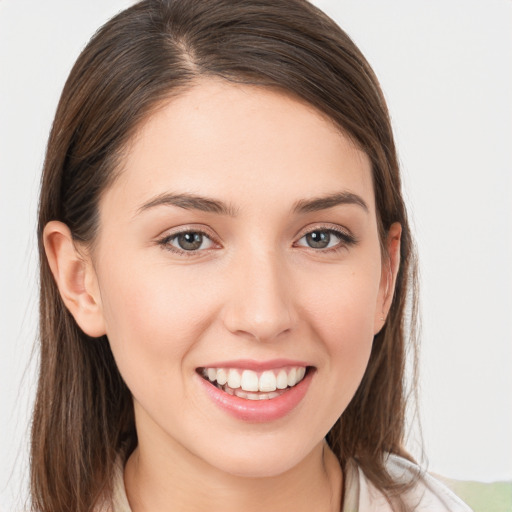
<point x="257" y="291"/>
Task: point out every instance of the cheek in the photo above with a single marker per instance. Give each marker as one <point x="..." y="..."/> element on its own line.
<point x="341" y="311"/>
<point x="342" y="305"/>
<point x="152" y="323"/>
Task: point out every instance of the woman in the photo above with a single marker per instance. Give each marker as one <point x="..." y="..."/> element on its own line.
<point x="225" y="270"/>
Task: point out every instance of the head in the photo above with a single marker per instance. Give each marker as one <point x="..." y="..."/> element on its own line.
<point x="146" y="83"/>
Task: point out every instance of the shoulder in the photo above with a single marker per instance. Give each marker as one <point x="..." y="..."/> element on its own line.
<point x="426" y="494"/>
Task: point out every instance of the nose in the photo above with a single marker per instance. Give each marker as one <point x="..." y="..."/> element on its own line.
<point x="260" y="303"/>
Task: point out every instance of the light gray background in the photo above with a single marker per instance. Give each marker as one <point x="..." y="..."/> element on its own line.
<point x="445" y="67"/>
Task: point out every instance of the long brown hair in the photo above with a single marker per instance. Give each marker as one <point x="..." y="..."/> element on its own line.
<point x="154" y="50"/>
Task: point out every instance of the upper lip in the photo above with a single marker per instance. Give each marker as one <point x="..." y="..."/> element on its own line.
<point x="251" y="364"/>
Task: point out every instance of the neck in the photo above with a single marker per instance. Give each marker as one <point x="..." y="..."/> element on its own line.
<point x="161" y="483"/>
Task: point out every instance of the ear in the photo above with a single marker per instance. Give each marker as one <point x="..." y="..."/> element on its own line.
<point x="75" y="278"/>
<point x="390" y="266"/>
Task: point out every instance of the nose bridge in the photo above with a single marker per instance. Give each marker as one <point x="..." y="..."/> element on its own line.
<point x="260" y="300"/>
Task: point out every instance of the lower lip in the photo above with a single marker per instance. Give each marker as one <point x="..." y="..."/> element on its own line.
<point x="259" y="411"/>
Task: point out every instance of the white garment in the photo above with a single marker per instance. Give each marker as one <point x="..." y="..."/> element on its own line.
<point x="427" y="495"/>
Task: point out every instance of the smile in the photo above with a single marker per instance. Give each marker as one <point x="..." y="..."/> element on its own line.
<point x="256" y="391"/>
<point x="253" y="385"/>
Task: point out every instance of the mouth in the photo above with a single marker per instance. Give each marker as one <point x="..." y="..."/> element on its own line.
<point x="245" y="392"/>
<point x="255" y="385"/>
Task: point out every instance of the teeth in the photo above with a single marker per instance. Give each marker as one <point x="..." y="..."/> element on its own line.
<point x="292" y="377"/>
<point x="234" y="379"/>
<point x="254" y="396"/>
<point x="240" y="394"/>
<point x="249" y="381"/>
<point x="222" y="376"/>
<point x="282" y="380"/>
<point x="248" y="384"/>
<point x="267" y="381"/>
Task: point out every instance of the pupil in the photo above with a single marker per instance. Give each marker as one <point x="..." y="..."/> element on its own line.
<point x="190" y="241"/>
<point x="318" y="239"/>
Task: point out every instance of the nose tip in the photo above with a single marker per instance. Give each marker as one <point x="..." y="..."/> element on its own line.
<point x="260" y="305"/>
<point x="261" y="327"/>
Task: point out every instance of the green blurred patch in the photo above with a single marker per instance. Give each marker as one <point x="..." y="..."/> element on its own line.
<point x="483" y="497"/>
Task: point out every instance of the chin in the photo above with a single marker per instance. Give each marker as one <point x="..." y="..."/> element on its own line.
<point x="260" y="467"/>
<point x="259" y="460"/>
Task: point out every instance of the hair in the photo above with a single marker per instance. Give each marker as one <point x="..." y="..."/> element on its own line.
<point x="155" y="50"/>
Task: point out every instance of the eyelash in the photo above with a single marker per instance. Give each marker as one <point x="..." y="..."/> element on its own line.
<point x="165" y="242"/>
<point x="345" y="240"/>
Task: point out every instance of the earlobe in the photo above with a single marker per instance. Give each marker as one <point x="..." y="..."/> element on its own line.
<point x="390" y="267"/>
<point x="75" y="278"/>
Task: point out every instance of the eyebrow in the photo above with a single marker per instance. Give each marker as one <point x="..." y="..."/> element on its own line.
<point x="209" y="205"/>
<point x="190" y="202"/>
<point x="329" y="201"/>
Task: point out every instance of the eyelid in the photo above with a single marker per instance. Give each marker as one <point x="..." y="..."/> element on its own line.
<point x="164" y="239"/>
<point x="325" y="227"/>
<point x="345" y="235"/>
<point x="186" y="228"/>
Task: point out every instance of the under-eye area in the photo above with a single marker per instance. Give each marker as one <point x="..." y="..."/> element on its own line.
<point x="253" y="385"/>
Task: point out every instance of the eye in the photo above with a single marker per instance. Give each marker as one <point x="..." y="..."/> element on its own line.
<point x="326" y="239"/>
<point x="187" y="241"/>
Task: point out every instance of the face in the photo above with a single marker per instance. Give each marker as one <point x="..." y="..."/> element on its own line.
<point x="239" y="276"/>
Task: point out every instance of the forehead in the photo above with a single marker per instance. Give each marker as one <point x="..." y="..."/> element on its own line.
<point x="242" y="144"/>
